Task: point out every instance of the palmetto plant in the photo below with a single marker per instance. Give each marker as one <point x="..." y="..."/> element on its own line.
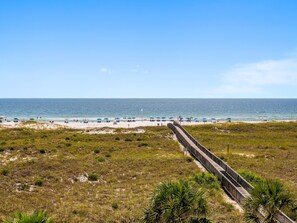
<point x="34" y="217"/>
<point x="176" y="202"/>
<point x="267" y="197"/>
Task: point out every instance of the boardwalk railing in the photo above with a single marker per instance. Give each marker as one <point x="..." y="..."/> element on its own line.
<point x="235" y="185"/>
<point x="239" y="179"/>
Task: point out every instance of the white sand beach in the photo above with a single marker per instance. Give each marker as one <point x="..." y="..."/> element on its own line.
<point x="92" y="125"/>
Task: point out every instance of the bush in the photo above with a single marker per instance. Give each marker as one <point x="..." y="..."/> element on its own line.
<point x="97" y="151"/>
<point x="271" y="195"/>
<point x="142" y="144"/>
<point x="68" y="144"/>
<point x="189" y="159"/>
<point x="35" y="217"/>
<point x="38" y="182"/>
<point x="200" y="220"/>
<point x="23" y="186"/>
<point x="67" y="138"/>
<point x="92" y="177"/>
<point x="128" y="140"/>
<point x="4" y="172"/>
<point x="251" y="177"/>
<point x="206" y="180"/>
<point x="2" y="150"/>
<point x="100" y="159"/>
<point x="114" y="206"/>
<point x="108" y="155"/>
<point x="42" y="151"/>
<point x="117" y="138"/>
<point x="175" y="202"/>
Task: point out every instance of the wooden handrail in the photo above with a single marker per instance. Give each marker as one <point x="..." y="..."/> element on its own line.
<point x="234" y="184"/>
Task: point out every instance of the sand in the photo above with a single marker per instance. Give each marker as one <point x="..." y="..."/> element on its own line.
<point x="92" y="125"/>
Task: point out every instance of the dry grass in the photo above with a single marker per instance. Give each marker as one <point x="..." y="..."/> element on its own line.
<point x="267" y="149"/>
<point x="49" y="169"/>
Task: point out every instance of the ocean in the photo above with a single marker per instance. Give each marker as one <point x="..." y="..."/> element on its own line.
<point x="237" y="109"/>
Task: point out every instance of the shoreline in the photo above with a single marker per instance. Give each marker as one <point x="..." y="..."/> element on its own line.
<point x="113" y="125"/>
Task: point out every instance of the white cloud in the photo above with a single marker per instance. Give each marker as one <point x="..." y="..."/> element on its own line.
<point x="252" y="78"/>
<point x="104" y="70"/>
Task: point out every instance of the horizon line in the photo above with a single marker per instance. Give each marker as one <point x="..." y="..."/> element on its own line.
<point x="141" y="98"/>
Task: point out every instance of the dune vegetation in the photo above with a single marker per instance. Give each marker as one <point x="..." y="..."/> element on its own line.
<point x="258" y="152"/>
<point x="79" y="176"/>
<point x="266" y="149"/>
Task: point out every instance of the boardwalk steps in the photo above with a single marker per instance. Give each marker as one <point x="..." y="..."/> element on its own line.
<point x="235" y="185"/>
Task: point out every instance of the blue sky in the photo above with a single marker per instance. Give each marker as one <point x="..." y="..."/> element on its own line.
<point x="148" y="49"/>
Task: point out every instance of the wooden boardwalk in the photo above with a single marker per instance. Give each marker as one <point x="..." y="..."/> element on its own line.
<point x="235" y="185"/>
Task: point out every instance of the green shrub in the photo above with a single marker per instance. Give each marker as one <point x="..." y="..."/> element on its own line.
<point x="108" y="155"/>
<point x="117" y="138"/>
<point x="35" y="217"/>
<point x="142" y="144"/>
<point x="128" y="140"/>
<point x="23" y="186"/>
<point x="189" y="159"/>
<point x="38" y="182"/>
<point x="200" y="220"/>
<point x="97" y="151"/>
<point x="271" y="195"/>
<point x="4" y="172"/>
<point x="206" y="180"/>
<point x="114" y="206"/>
<point x="67" y="138"/>
<point x="251" y="177"/>
<point x="92" y="177"/>
<point x="175" y="202"/>
<point x="42" y="151"/>
<point x="100" y="159"/>
<point x="2" y="150"/>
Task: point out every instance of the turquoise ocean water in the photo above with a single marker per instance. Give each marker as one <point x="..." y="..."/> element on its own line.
<point x="237" y="109"/>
